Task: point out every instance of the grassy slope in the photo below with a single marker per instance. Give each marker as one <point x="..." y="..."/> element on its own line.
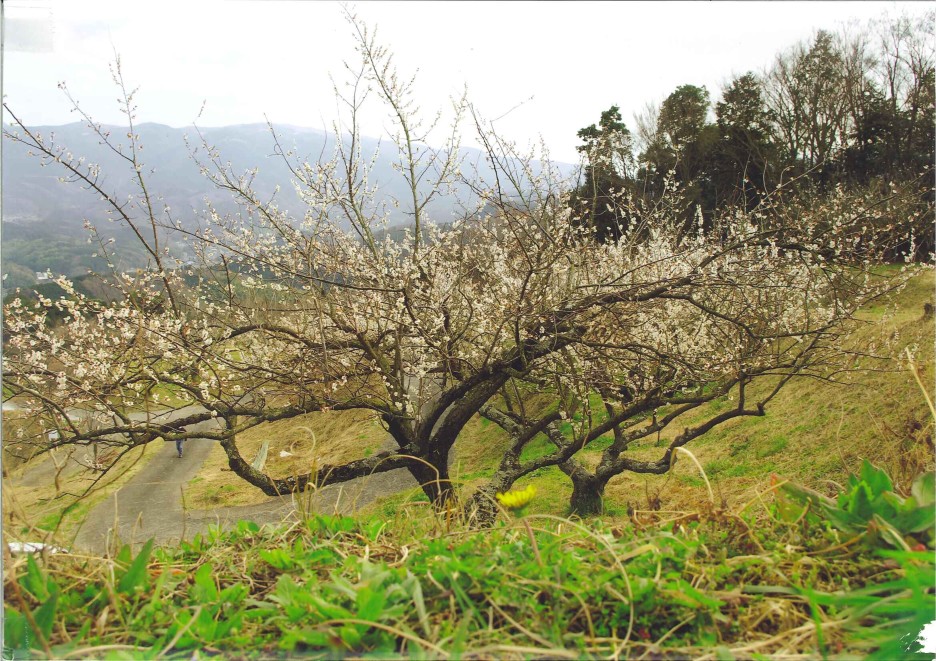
<point x="716" y="586"/>
<point x="814" y="431"/>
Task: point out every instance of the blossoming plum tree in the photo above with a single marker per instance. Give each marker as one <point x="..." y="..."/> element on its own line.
<point x="325" y="311"/>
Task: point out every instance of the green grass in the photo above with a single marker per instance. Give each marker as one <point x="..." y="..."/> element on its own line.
<point x="736" y="583"/>
<point x="540" y="446"/>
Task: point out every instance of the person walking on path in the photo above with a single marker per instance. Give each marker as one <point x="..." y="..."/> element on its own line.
<point x="178" y="445"/>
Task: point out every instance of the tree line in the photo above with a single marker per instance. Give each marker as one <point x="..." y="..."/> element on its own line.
<point x="849" y="109"/>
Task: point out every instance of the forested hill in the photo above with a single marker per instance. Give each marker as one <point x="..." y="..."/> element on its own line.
<point x="43" y="218"/>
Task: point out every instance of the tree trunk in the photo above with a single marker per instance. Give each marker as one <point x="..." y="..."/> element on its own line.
<point x="587" y="489"/>
<point x="433" y="478"/>
<point x="481" y="509"/>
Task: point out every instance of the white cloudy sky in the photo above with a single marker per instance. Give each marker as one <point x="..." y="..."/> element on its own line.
<point x="544" y="68"/>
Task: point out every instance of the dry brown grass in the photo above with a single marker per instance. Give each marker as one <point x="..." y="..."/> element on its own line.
<point x="312" y="439"/>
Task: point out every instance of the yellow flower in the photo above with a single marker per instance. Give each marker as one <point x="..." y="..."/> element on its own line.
<point x="513" y="500"/>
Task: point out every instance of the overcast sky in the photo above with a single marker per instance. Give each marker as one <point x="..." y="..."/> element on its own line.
<point x="543" y="68"/>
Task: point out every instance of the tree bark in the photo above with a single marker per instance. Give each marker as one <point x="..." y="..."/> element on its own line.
<point x="433" y="478"/>
<point x="481" y="509"/>
<point x="587" y="489"/>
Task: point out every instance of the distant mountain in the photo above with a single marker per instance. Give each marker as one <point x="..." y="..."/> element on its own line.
<point x="43" y="217"/>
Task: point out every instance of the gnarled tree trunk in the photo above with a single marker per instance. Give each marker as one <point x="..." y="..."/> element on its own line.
<point x="587" y="489"/>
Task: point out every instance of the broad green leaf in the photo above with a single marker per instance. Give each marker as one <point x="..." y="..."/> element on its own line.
<point x="330" y="611"/>
<point x="205" y="589"/>
<point x="890" y="534"/>
<point x="876" y="479"/>
<point x="845" y="521"/>
<point x="15" y="630"/>
<point x="860" y="504"/>
<point x="124" y="555"/>
<point x="370" y="604"/>
<point x="205" y="625"/>
<point x="34" y="581"/>
<point x="247" y="527"/>
<point x="278" y="558"/>
<point x="350" y="635"/>
<point x="312" y="637"/>
<point x="917" y="520"/>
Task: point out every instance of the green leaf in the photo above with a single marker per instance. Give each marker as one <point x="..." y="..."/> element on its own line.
<point x="206" y="626"/>
<point x="890" y="534"/>
<point x="330" y="611"/>
<point x="247" y="527"/>
<point x="924" y="490"/>
<point x="350" y="635"/>
<point x="278" y="558"/>
<point x="845" y="521"/>
<point x="34" y="581"/>
<point x="917" y="520"/>
<point x="124" y="555"/>
<point x="374" y="528"/>
<point x="876" y="479"/>
<point x="312" y="637"/>
<point x="205" y="589"/>
<point x="370" y="604"/>
<point x="860" y="504"/>
<point x="768" y="589"/>
<point x="45" y="615"/>
<point x="695" y="597"/>
<point x="136" y="577"/>
<point x="420" y="606"/>
<point x="15" y="631"/>
<point x="460" y="637"/>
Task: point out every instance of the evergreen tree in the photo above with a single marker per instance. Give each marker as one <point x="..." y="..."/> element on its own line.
<point x="745" y="155"/>
<point x="601" y="200"/>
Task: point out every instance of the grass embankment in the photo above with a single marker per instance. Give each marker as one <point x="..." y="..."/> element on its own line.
<point x="308" y="441"/>
<point x="770" y="579"/>
<point x="815" y="431"/>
